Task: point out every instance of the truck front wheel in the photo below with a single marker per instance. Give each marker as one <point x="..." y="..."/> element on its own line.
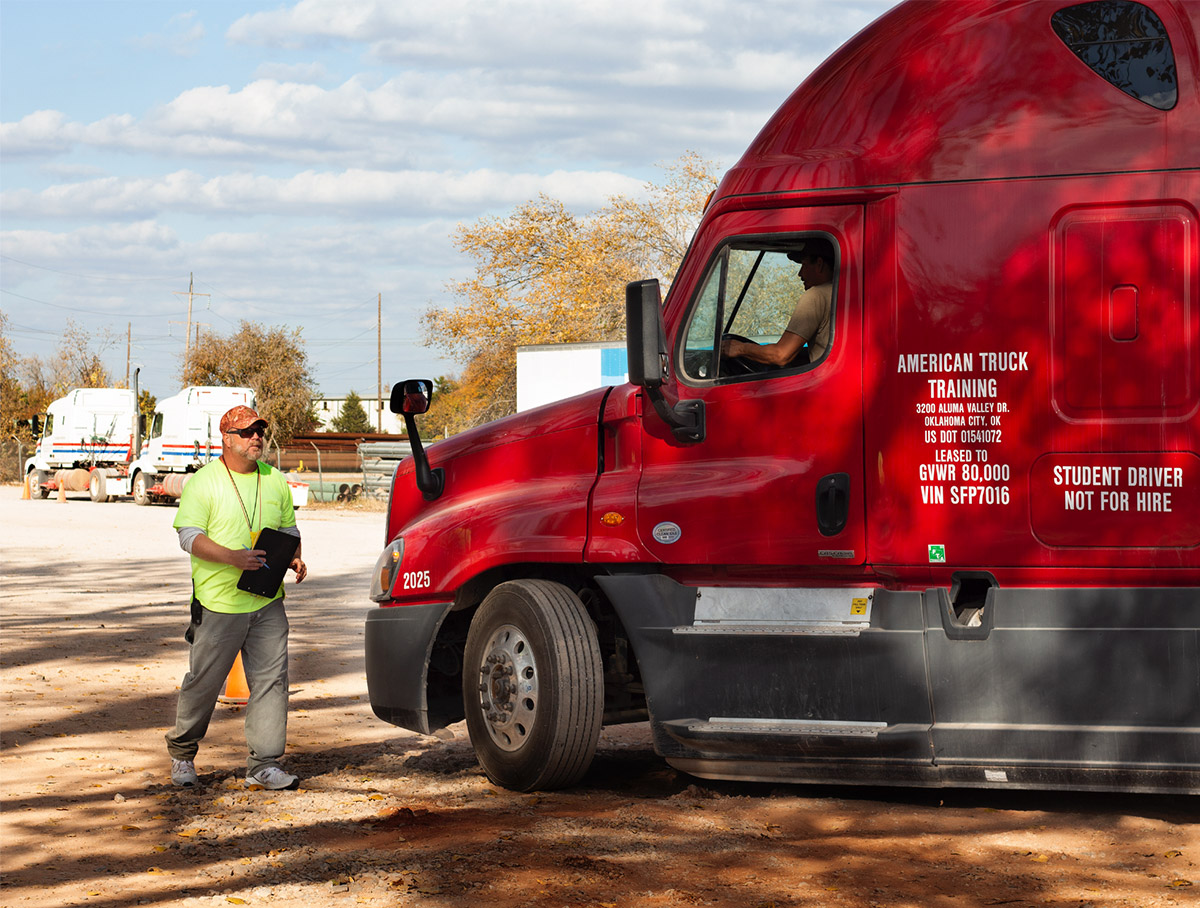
<point x="141" y="494"/>
<point x="533" y="686"/>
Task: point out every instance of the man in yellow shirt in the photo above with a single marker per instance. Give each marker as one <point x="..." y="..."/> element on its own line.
<point x="223" y="507"/>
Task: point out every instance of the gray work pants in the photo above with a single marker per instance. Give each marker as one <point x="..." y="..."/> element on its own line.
<point x="261" y="637"/>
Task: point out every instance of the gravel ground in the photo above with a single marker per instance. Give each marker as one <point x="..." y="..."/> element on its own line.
<point x="92" y="613"/>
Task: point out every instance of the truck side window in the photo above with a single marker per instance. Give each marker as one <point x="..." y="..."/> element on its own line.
<point x="157" y="427"/>
<point x="1124" y="42"/>
<point x="750" y="294"/>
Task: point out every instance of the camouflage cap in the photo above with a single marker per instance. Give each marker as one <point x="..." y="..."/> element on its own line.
<point x="240" y="417"/>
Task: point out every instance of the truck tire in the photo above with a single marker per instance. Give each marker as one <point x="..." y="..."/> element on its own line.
<point x="141" y="494"/>
<point x="533" y="686"/>
<point x="97" y="486"/>
<point x="39" y="490"/>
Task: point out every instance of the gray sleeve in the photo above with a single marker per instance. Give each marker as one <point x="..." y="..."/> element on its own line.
<point x="187" y="536"/>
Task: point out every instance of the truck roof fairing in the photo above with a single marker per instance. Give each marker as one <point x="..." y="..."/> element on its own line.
<point x="970" y="90"/>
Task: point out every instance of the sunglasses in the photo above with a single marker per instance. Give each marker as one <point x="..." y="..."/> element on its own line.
<point x="250" y="432"/>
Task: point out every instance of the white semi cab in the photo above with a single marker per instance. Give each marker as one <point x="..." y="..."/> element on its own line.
<point x="185" y="435"/>
<point x="87" y="441"/>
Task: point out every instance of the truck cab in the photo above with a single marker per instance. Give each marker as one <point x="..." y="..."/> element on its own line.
<point x="957" y="542"/>
<point x="184" y="435"/>
<point x="88" y="433"/>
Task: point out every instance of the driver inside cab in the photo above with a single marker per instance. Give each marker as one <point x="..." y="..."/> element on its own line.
<point x="810" y="323"/>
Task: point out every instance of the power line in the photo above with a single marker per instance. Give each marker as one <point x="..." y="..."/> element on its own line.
<point x="339" y="316"/>
<point x="348" y="340"/>
<point x="87" y="277"/>
<point x="53" y="305"/>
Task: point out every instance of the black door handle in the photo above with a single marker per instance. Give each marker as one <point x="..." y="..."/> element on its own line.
<point x="833" y="503"/>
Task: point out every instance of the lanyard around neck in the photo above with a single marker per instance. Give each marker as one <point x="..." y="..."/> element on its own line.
<point x="257" y="493"/>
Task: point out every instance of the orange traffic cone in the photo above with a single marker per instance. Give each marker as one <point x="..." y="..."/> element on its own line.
<point x="25" y="496"/>
<point x="61" y="477"/>
<point x="237" y="691"/>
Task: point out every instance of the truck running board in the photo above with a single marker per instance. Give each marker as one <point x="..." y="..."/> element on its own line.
<point x="804" y="727"/>
<point x="731" y="611"/>
<point x="771" y="629"/>
<point x="743" y="738"/>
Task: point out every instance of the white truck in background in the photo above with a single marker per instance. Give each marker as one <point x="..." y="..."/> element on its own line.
<point x="92" y="441"/>
<point x="87" y="441"/>
<point x="184" y="436"/>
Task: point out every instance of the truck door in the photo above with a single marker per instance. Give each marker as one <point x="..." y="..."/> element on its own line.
<point x="771" y="645"/>
<point x="778" y="477"/>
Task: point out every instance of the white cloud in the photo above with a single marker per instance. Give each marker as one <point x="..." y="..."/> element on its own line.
<point x="293" y="275"/>
<point x="456" y="29"/>
<point x="606" y="81"/>
<point x="43" y="132"/>
<point x="363" y="193"/>
<point x="616" y="37"/>
<point x="104" y="243"/>
<point x="408" y="121"/>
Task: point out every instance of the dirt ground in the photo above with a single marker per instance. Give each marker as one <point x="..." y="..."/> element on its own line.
<point x="92" y="613"/>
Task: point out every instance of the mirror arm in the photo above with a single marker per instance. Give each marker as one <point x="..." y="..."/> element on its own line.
<point x="431" y="483"/>
<point x="686" y="418"/>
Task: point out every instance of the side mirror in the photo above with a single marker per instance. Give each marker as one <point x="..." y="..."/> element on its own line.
<point x="646" y="349"/>
<point x="645" y="336"/>
<point x="411" y="397"/>
<point x="35" y="427"/>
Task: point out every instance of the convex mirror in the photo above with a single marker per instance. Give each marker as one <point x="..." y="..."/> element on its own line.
<point x="412" y="397"/>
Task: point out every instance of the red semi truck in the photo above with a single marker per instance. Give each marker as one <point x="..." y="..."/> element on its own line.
<point x="961" y="546"/>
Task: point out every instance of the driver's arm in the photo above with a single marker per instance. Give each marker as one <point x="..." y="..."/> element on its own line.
<point x="780" y="353"/>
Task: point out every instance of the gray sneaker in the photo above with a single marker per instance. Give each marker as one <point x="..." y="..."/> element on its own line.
<point x="183" y="773"/>
<point x="272" y="778"/>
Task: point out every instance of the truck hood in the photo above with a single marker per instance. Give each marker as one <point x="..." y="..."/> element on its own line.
<point x="525" y="477"/>
<point x="559" y="416"/>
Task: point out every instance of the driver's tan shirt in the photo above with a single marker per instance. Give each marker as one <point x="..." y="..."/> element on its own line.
<point x="812" y="321"/>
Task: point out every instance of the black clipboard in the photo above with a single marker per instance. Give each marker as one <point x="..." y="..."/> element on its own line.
<point x="280" y="549"/>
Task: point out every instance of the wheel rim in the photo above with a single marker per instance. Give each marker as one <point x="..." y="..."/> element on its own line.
<point x="508" y="688"/>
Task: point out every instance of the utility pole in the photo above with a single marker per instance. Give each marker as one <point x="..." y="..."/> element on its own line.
<point x="128" y="348"/>
<point x="379" y="363"/>
<point x="187" y="337"/>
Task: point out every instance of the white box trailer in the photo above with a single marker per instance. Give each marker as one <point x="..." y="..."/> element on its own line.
<point x="87" y="438"/>
<point x="550" y="372"/>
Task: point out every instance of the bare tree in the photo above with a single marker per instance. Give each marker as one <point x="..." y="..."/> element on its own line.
<point x="271" y="361"/>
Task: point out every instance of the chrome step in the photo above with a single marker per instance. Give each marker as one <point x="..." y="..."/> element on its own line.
<point x="799" y="727"/>
<point x="759" y="612"/>
<point x="771" y="629"/>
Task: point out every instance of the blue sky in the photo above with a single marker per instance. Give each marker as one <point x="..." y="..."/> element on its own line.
<point x="300" y="158"/>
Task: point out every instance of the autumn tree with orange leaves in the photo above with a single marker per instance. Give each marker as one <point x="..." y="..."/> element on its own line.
<point x="544" y="275"/>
